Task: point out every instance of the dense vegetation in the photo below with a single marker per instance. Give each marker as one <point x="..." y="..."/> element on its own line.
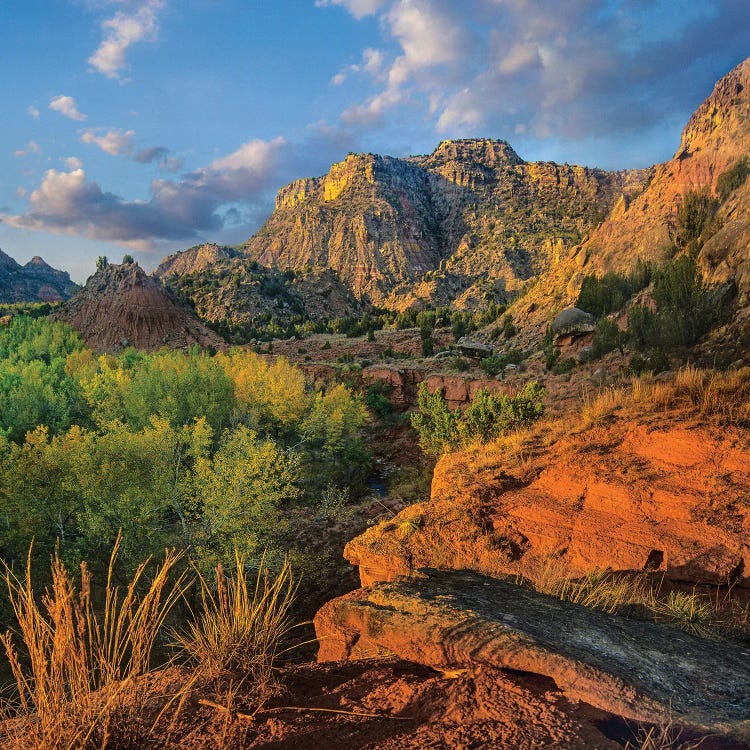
<point x="203" y="453"/>
<point x="489" y="415"/>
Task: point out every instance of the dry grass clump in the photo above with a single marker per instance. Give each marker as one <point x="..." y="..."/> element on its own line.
<point x="598" y="589"/>
<point x="690" y="612"/>
<point x="603" y="405"/>
<point x="695" y="613"/>
<point x="662" y="737"/>
<point x="79" y="677"/>
<point x="242" y="625"/>
<point x="724" y="395"/>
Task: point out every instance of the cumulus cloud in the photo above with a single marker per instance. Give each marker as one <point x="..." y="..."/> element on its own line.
<point x="161" y="156"/>
<point x="121" y="32"/>
<point x="574" y="70"/>
<point x="66" y="106"/>
<point x="32" y="147"/>
<point x="21" y="192"/>
<point x="72" y="162"/>
<point x="33" y="112"/>
<point x="114" y="142"/>
<point x="201" y="201"/>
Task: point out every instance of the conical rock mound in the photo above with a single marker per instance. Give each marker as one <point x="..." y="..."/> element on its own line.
<point x="121" y="306"/>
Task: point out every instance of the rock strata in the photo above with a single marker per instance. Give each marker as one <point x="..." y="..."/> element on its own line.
<point x="456" y="620"/>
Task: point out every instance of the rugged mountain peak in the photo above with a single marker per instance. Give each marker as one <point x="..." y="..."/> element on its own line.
<point x="722" y="115"/>
<point x="36" y="281"/>
<point x="39" y="262"/>
<point x="7" y="263"/>
<point x="489" y="152"/>
<point x="122" y="306"/>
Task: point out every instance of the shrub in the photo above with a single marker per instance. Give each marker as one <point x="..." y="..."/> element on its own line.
<point x="564" y="366"/>
<point x="607" y="338"/>
<point x="733" y="178"/>
<point x="428" y="346"/>
<point x="485" y="418"/>
<point x="685" y="309"/>
<point x="495" y="364"/>
<point x="609" y="293"/>
<point x="459" y="364"/>
<point x="377" y="401"/>
<point x="694" y="218"/>
<point x="509" y="329"/>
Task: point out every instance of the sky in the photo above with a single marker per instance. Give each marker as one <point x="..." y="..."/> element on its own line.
<point x="148" y="126"/>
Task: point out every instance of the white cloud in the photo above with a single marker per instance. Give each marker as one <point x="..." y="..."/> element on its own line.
<point x="33" y="112"/>
<point x="32" y="147"/>
<point x="577" y="70"/>
<point x="202" y="201"/>
<point x="72" y="163"/>
<point x="358" y="8"/>
<point x="66" y="106"/>
<point x="114" y="141"/>
<point x="372" y="64"/>
<point x="21" y="192"/>
<point x="121" y="32"/>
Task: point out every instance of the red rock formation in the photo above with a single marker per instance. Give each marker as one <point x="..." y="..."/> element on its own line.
<point x="121" y="306"/>
<point x="630" y="496"/>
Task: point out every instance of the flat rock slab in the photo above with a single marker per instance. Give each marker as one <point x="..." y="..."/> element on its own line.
<point x="639" y="670"/>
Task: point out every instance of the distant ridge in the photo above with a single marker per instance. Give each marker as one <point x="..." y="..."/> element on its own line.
<point x="36" y="281"/>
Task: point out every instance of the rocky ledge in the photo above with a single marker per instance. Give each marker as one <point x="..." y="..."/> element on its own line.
<point x="451" y="620"/>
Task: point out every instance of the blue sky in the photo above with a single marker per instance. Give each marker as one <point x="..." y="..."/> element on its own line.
<point x="146" y="126"/>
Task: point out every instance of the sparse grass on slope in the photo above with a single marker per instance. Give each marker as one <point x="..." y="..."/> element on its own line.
<point x="723" y="396"/>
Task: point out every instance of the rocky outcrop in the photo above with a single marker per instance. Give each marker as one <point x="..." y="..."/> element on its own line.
<point x="36" y="281"/>
<point x="121" y="306"/>
<point x="414" y="231"/>
<point x="451" y="621"/>
<point x="192" y="260"/>
<point x="629" y="497"/>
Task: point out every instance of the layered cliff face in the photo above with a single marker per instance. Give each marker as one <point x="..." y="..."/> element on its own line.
<point x="36" y="281"/>
<point x="716" y="136"/>
<point x="121" y="306"/>
<point x="427" y="229"/>
<point x="643" y="221"/>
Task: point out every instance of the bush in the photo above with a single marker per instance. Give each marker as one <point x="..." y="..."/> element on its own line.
<point x="495" y="364"/>
<point x="459" y="364"/>
<point x="564" y="366"/>
<point x="609" y="293"/>
<point x="607" y="338"/>
<point x="694" y="218"/>
<point x="487" y="417"/>
<point x="733" y="178"/>
<point x="377" y="401"/>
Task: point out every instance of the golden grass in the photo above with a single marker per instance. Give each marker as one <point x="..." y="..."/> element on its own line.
<point x="722" y="395"/>
<point x="662" y="737"/>
<point x="79" y="678"/>
<point x="695" y="613"/>
<point x="598" y="589"/>
<point x="242" y="626"/>
<point x="690" y="612"/>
